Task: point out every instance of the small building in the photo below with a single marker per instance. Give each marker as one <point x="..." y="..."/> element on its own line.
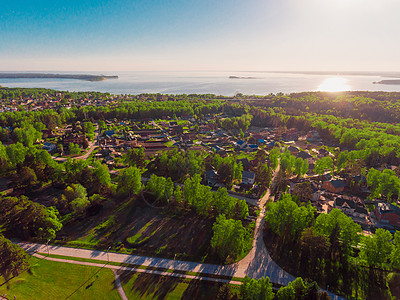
<point x="210" y="177"/>
<point x="334" y="186"/>
<point x="109" y="133"/>
<point x="49" y="147"/>
<point x="248" y="177"/>
<point x="387" y="213"/>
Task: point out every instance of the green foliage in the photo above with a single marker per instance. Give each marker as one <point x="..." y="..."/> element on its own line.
<point x="323" y="164"/>
<point x="237" y="123"/>
<point x="135" y="157"/>
<point x="285" y="216"/>
<point x="27" y="135"/>
<point x="229" y="237"/>
<point x="102" y="173"/>
<point x="256" y="289"/>
<point x="74" y="149"/>
<point x="178" y="164"/>
<point x="273" y="157"/>
<point x="26" y="219"/>
<point x="348" y="230"/>
<point x="228" y="169"/>
<point x="375" y="250"/>
<point x="161" y="187"/>
<point x="76" y="197"/>
<point x="197" y="195"/>
<point x="383" y="183"/>
<point x="13" y="259"/>
<point x="16" y="153"/>
<point x="395" y="255"/>
<point x="129" y="181"/>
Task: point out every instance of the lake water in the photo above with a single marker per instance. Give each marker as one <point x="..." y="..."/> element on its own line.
<point x="208" y="82"/>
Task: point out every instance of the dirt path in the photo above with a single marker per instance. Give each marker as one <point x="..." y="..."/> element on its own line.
<point x="119" y="285"/>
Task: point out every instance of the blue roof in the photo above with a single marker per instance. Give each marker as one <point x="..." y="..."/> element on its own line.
<point x="253" y="146"/>
<point x="261" y="140"/>
<point x="240" y="143"/>
<point x="109" y="132"/>
<point x="246" y="174"/>
<point x="47" y="144"/>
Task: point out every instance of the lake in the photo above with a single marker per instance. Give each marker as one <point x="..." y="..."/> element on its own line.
<point x="219" y="83"/>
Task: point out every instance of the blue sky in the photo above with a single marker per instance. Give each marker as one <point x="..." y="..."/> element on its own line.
<point x="199" y="35"/>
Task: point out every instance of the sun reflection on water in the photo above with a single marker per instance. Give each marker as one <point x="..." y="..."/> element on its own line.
<point x="334" y="84"/>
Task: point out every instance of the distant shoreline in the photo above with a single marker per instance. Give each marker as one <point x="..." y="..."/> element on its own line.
<point x="394" y="81"/>
<point x="61" y="76"/>
<point x="240" y="77"/>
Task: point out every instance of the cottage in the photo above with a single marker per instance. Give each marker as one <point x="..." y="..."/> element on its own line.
<point x="248" y="177"/>
<point x="387" y="213"/>
<point x="334" y="186"/>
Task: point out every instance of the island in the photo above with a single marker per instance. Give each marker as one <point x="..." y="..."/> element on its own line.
<point x="391" y="81"/>
<point x="239" y="77"/>
<point x="58" y="76"/>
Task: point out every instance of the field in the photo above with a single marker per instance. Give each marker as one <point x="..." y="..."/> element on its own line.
<point x="134" y="228"/>
<point x="55" y="280"/>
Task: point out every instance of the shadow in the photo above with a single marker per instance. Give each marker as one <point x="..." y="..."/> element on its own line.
<point x="149" y="284"/>
<point x="89" y="285"/>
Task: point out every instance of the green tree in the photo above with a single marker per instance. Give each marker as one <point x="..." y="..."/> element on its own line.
<point x="256" y="289"/>
<point x="395" y="255"/>
<point x="376" y="249"/>
<point x="129" y="181"/>
<point x="13" y="259"/>
<point x="348" y="230"/>
<point x="16" y="153"/>
<point x="229" y="237"/>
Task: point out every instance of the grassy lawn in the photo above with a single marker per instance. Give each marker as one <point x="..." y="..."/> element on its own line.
<point x="148" y="286"/>
<point x="55" y="280"/>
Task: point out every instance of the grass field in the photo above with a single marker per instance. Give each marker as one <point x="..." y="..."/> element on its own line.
<point x="55" y="280"/>
<point x="147" y="286"/>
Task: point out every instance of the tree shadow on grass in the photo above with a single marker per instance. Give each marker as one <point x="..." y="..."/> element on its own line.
<point x="199" y="289"/>
<point x="157" y="286"/>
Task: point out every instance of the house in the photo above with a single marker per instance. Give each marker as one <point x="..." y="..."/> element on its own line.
<point x="334" y="186"/>
<point x="387" y="213"/>
<point x="357" y="182"/>
<point x="109" y="133"/>
<point x="293" y="150"/>
<point x="241" y="144"/>
<point x="49" y="146"/>
<point x="248" y="177"/>
<point x="210" y="177"/>
<point x="351" y="207"/>
<point x="304" y="155"/>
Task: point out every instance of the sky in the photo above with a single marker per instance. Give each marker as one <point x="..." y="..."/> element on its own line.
<point x="209" y="35"/>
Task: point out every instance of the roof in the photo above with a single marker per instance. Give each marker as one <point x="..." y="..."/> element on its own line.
<point x="210" y="174"/>
<point x="303" y="155"/>
<point x="47" y="144"/>
<point x="385" y="208"/>
<point x="240" y="142"/>
<point x="343" y="202"/>
<point x="337" y="183"/>
<point x="250" y="175"/>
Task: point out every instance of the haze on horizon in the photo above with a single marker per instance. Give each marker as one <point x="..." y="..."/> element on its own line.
<point x="149" y="35"/>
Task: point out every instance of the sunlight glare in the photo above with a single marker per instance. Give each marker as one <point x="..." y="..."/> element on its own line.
<point x="334" y="84"/>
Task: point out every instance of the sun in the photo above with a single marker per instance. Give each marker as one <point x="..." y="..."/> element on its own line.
<point x="334" y="84"/>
